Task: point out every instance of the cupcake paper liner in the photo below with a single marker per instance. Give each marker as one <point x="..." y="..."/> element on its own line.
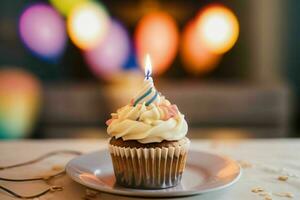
<point x="149" y="168"/>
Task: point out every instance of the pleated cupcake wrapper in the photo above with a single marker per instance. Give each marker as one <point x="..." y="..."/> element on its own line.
<point x="148" y="168"/>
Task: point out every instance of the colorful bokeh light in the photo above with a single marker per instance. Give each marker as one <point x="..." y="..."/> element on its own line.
<point x="218" y="28"/>
<point x="108" y="58"/>
<point x="88" y="24"/>
<point x="66" y="6"/>
<point x="157" y="35"/>
<point x="197" y="59"/>
<point x="20" y="94"/>
<point x="43" y="31"/>
<point x="131" y="63"/>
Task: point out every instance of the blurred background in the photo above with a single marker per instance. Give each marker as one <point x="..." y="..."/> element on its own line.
<point x="232" y="67"/>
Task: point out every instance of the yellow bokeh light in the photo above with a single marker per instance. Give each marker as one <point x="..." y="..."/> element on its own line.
<point x="87" y="24"/>
<point x="65" y="6"/>
<point x="20" y="94"/>
<point x="218" y="28"/>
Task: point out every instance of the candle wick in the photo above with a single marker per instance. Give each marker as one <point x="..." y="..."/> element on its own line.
<point x="148" y="74"/>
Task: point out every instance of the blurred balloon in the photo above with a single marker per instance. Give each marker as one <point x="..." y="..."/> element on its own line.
<point x="110" y="55"/>
<point x="43" y="31"/>
<point x="157" y="35"/>
<point x="19" y="103"/>
<point x="218" y="28"/>
<point x="131" y="63"/>
<point x="65" y="6"/>
<point x="195" y="57"/>
<point x="88" y="24"/>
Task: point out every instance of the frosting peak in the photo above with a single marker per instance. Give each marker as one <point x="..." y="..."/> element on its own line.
<point x="148" y="118"/>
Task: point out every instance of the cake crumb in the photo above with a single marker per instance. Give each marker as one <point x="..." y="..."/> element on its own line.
<point x="257" y="190"/>
<point x="283" y="178"/>
<point x="245" y="164"/>
<point x="264" y="194"/>
<point x="268" y="198"/>
<point x="285" y="194"/>
<point x="57" y="168"/>
<point x="91" y="193"/>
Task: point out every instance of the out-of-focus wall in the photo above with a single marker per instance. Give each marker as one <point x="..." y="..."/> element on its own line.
<point x="265" y="34"/>
<point x="246" y="90"/>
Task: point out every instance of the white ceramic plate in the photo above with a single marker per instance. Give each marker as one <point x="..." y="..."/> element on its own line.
<point x="205" y="172"/>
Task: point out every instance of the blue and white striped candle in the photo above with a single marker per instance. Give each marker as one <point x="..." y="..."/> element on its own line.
<point x="149" y="94"/>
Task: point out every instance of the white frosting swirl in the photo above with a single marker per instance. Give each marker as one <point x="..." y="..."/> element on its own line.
<point x="153" y="123"/>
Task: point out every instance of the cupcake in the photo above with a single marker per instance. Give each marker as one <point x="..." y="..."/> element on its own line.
<point x="148" y="146"/>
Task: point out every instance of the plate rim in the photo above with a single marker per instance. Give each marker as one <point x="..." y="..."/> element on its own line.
<point x="144" y="193"/>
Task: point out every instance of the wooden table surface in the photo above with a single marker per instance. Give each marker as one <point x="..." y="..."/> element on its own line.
<point x="263" y="161"/>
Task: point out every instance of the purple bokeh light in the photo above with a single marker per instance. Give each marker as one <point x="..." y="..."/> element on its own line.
<point x="43" y="31"/>
<point x="111" y="54"/>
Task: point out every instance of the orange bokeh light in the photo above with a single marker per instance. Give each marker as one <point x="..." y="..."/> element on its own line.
<point x="197" y="59"/>
<point x="218" y="28"/>
<point x="157" y="35"/>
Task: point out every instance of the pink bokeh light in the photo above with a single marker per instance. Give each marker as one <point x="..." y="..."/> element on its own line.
<point x="111" y="54"/>
<point x="43" y="30"/>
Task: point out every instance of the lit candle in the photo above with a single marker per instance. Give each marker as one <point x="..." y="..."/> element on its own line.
<point x="148" y="68"/>
<point x="148" y="94"/>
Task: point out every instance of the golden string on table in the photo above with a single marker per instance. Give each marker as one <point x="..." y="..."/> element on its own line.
<point x="50" y="189"/>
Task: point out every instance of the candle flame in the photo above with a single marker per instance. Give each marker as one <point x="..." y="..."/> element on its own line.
<point x="148" y="66"/>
